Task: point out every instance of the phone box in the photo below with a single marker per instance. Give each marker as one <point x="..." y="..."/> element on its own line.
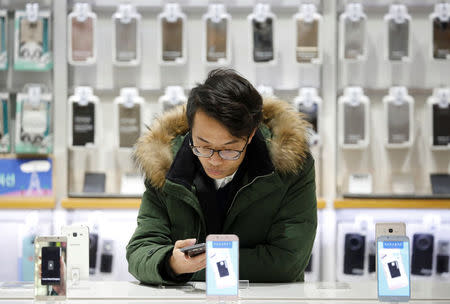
<point x="3" y="40"/>
<point x="33" y="40"/>
<point x="33" y="124"/>
<point x="5" y="137"/>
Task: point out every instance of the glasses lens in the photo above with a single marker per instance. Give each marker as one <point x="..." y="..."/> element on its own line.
<point x="229" y="154"/>
<point x="202" y="152"/>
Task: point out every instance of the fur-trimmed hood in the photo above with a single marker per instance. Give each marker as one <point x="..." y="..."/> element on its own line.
<point x="288" y="146"/>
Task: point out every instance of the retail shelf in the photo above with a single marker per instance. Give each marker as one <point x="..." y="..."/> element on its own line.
<point x="101" y="203"/>
<point x="11" y="202"/>
<point x="24" y="156"/>
<point x="392" y="203"/>
<point x="321" y="204"/>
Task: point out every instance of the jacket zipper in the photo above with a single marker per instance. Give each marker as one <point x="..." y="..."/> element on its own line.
<point x="258" y="177"/>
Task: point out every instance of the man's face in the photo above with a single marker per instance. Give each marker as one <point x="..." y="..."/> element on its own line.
<point x="207" y="132"/>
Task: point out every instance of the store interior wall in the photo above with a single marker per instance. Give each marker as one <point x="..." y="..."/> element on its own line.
<point x="333" y="164"/>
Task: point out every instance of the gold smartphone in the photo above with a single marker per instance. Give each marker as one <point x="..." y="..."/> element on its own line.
<point x="50" y="268"/>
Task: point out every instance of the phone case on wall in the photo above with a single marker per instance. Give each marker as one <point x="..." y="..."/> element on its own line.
<point x="263" y="49"/>
<point x="441" y="125"/>
<point x="398" y="46"/>
<point x="126" y="36"/>
<point x="354" y="120"/>
<point x="440" y="37"/>
<point x="33" y="125"/>
<point x="307" y="41"/>
<point x="129" y="125"/>
<point x="5" y="139"/>
<point x="216" y="41"/>
<point x="172" y="40"/>
<point x="82" y="27"/>
<point x="3" y="40"/>
<point x="398" y="123"/>
<point x="83" y="124"/>
<point x="33" y="44"/>
<point x="354" y="124"/>
<point x="172" y="33"/>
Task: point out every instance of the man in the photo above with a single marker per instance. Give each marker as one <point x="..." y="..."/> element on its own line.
<point x="225" y="164"/>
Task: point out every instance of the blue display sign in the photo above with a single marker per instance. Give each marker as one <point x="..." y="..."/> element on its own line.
<point x="26" y="177"/>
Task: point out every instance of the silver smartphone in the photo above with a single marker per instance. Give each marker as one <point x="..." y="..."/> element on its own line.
<point x="393" y="268"/>
<point x="50" y="274"/>
<point x="383" y="229"/>
<point x="77" y="252"/>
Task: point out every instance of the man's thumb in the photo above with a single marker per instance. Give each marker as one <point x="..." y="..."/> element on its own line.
<point x="185" y="243"/>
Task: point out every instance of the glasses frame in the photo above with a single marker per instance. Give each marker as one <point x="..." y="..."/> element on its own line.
<point x="212" y="151"/>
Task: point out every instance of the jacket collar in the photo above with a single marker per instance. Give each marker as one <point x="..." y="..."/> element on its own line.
<point x="283" y="130"/>
<point x="186" y="165"/>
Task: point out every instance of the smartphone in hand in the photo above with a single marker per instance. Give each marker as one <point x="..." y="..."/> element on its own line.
<point x="194" y="250"/>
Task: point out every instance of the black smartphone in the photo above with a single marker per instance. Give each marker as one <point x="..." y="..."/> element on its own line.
<point x="51" y="266"/>
<point x="194" y="250"/>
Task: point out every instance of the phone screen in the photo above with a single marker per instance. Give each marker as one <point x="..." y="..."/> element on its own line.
<point x="50" y="265"/>
<point x="222" y="268"/>
<point x="51" y="273"/>
<point x="393" y="269"/>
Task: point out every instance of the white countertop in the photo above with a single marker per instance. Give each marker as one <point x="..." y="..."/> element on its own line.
<point x="316" y="292"/>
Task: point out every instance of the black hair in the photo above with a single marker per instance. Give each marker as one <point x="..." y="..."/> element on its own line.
<point x="230" y="99"/>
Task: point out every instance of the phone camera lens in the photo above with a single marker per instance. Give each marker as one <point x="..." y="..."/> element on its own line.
<point x="391" y="230"/>
<point x="75" y="234"/>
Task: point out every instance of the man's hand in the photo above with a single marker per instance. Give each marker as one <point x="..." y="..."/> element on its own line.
<point x="181" y="263"/>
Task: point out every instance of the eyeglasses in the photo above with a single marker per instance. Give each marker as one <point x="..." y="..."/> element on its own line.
<point x="226" y="154"/>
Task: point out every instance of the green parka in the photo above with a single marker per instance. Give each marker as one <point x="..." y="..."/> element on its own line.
<point x="274" y="215"/>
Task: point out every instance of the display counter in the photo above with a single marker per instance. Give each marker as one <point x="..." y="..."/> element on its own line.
<point x="133" y="292"/>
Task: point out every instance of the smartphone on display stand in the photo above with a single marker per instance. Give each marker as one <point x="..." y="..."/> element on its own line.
<point x="222" y="267"/>
<point x="382" y="229"/>
<point x="393" y="268"/>
<point x="50" y="275"/>
<point x="77" y="252"/>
